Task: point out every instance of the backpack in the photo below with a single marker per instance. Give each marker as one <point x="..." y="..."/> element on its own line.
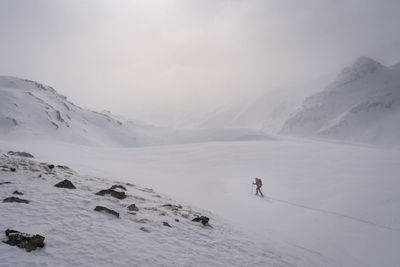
<point x="259" y="182"/>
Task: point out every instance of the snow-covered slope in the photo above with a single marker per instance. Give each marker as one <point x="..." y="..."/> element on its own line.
<point x="157" y="231"/>
<point x="362" y="105"/>
<point x="30" y="110"/>
<point x="326" y="204"/>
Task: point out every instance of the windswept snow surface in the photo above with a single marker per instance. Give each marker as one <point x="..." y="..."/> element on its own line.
<point x="326" y="204"/>
<point x="76" y="235"/>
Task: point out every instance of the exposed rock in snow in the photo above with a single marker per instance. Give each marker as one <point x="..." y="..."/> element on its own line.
<point x="133" y="207"/>
<point x="111" y="192"/>
<point x="110" y="211"/>
<point x="22" y="240"/>
<point x="65" y="184"/>
<point x="71" y="227"/>
<point x="15" y="199"/>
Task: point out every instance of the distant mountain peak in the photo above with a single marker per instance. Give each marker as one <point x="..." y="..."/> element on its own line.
<point x="361" y="67"/>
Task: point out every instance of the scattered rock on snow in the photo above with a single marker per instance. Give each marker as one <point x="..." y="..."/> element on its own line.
<point x="5" y="183"/>
<point x="101" y="208"/>
<point x="166" y="224"/>
<point x="12" y="169"/>
<point x="144" y="229"/>
<point x="65" y="184"/>
<point x="17" y="193"/>
<point x="177" y="220"/>
<point x="112" y="192"/>
<point x="172" y="207"/>
<point x="22" y="240"/>
<point x="203" y="219"/>
<point x="118" y="186"/>
<point x="133" y="207"/>
<point x="15" y="199"/>
<point x="133" y="213"/>
<point x="20" y="154"/>
<point x="50" y="166"/>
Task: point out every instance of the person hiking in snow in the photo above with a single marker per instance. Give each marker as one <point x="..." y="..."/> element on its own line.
<point x="258" y="184"/>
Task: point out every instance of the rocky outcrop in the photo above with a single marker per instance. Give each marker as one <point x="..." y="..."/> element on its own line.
<point x="110" y="211"/>
<point x="22" y="240"/>
<point x="112" y="192"/>
<point x="167" y="224"/>
<point x="133" y="207"/>
<point x="65" y="184"/>
<point x="15" y="199"/>
<point x="118" y="186"/>
<point x="203" y="219"/>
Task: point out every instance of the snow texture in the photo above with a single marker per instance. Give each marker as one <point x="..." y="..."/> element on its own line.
<point x="76" y="235"/>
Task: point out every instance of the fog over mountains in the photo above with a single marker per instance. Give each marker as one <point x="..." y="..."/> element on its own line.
<point x="31" y="110"/>
<point x="362" y="105"/>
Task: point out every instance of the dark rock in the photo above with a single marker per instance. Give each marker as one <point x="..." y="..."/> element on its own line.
<point x="20" y="154"/>
<point x="113" y="193"/>
<point x="144" y="229"/>
<point x="177" y="220"/>
<point x="62" y="167"/>
<point x="17" y="193"/>
<point x="65" y="184"/>
<point x="118" y="186"/>
<point x="172" y="207"/>
<point x="50" y="166"/>
<point x="162" y="214"/>
<point x="133" y="213"/>
<point x="101" y="208"/>
<point x="133" y="207"/>
<point x="22" y="240"/>
<point x="5" y="183"/>
<point x="166" y="224"/>
<point x="203" y="219"/>
<point x="12" y="169"/>
<point x="15" y="199"/>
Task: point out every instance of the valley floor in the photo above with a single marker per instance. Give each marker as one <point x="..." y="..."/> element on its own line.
<point x="326" y="204"/>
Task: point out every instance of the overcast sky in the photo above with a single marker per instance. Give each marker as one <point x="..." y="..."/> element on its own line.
<point x="162" y="56"/>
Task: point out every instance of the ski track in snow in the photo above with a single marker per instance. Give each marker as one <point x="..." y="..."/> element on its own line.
<point x="267" y="197"/>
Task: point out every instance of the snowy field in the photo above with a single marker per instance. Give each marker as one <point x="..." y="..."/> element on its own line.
<point x="326" y="204"/>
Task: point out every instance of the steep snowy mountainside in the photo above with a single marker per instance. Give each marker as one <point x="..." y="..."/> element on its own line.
<point x="29" y="109"/>
<point x="362" y="105"/>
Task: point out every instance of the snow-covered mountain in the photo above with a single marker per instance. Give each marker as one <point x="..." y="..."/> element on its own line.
<point x="265" y="112"/>
<point x="362" y="105"/>
<point x="31" y="110"/>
